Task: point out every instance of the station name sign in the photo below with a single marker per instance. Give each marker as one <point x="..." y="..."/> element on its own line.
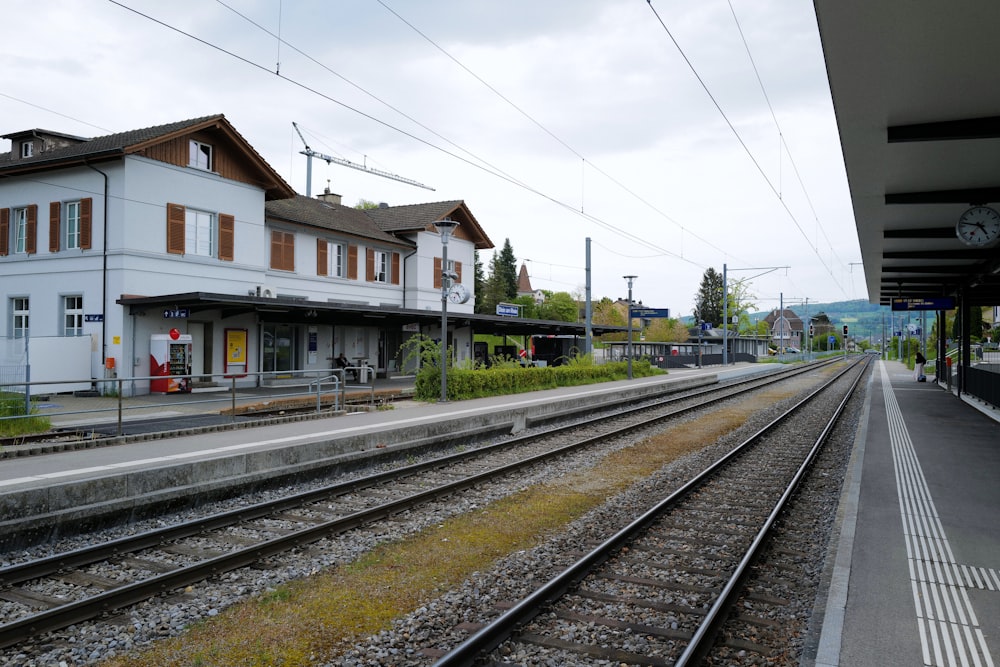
<point x="650" y="313"/>
<point x="507" y="309"/>
<point x="932" y="303"/>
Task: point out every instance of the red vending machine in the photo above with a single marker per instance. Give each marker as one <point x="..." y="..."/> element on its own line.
<point x="170" y="354"/>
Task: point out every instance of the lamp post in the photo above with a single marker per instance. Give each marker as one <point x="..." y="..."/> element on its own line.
<point x="629" y="347"/>
<point x="445" y="227"/>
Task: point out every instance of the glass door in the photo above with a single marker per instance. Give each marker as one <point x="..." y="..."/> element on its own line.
<point x="281" y="347"/>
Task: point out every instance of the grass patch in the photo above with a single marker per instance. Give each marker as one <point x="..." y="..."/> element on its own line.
<point x="316" y="619"/>
<point x="14" y="421"/>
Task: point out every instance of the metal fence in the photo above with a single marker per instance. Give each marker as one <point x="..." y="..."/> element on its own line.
<point x="114" y="400"/>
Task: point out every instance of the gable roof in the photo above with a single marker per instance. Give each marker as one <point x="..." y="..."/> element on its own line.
<point x="421" y="217"/>
<point x="334" y="217"/>
<point x="137" y="142"/>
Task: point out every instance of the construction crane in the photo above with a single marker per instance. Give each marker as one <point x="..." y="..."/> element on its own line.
<point x="310" y="154"/>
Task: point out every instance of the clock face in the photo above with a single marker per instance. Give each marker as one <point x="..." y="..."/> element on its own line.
<point x="978" y="226"/>
<point x="458" y="294"/>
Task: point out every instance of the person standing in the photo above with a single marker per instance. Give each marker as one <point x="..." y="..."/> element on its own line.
<point x="918" y="368"/>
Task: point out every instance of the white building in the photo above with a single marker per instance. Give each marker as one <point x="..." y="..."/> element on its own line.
<point x="184" y="228"/>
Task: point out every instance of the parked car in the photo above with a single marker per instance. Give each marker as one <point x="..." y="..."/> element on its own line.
<point x="792" y="350"/>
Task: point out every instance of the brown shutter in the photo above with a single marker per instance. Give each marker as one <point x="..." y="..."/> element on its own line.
<point x="275" y="250"/>
<point x="54" y="226"/>
<point x="458" y="270"/>
<point x="86" y="226"/>
<point x="352" y="262"/>
<point x="370" y="264"/>
<point x="282" y="250"/>
<point x="175" y="229"/>
<point x="321" y="257"/>
<point x="32" y="232"/>
<point x="395" y="268"/>
<point x="4" y="231"/>
<point x="437" y="273"/>
<point x="227" y="236"/>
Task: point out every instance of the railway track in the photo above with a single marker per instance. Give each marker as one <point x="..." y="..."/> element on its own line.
<point x="658" y="591"/>
<point x="65" y="588"/>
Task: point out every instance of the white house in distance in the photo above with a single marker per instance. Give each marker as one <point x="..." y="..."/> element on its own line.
<point x="112" y="243"/>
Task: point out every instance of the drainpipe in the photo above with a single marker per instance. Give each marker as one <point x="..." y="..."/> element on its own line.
<point x="104" y="270"/>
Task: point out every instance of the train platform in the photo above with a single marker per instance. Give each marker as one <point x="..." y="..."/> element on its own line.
<point x="164" y="469"/>
<point x="914" y="578"/>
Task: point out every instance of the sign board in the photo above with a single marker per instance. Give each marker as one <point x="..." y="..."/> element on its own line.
<point x="706" y="326"/>
<point x="650" y="313"/>
<point x="932" y="303"/>
<point x="99" y="317"/>
<point x="177" y="313"/>
<point x="507" y="309"/>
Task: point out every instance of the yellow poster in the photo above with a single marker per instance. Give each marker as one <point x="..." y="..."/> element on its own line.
<point x="236" y="346"/>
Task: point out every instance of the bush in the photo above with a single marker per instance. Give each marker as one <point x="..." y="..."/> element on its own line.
<point x="465" y="383"/>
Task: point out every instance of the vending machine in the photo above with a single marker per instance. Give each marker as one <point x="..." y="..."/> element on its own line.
<point x="170" y="355"/>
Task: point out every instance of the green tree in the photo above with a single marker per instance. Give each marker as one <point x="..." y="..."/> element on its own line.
<point x="504" y="270"/>
<point x="558" y="306"/>
<point x="708" y="301"/>
<point x="480" y="285"/>
<point x="667" y="330"/>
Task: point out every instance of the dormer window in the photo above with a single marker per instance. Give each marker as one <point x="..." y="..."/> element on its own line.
<point x="200" y="156"/>
<point x="27" y="149"/>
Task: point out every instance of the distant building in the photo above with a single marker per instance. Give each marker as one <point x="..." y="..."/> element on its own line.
<point x="786" y="328"/>
<point x="524" y="286"/>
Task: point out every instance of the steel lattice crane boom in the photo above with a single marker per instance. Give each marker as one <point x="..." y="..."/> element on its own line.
<point x="310" y="154"/>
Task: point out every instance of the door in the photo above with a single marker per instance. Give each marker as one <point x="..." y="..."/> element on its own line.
<point x="281" y="348"/>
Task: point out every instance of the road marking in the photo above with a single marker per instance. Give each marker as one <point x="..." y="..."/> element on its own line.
<point x="950" y="634"/>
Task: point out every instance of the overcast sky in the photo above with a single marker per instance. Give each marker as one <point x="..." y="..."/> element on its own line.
<point x="641" y="125"/>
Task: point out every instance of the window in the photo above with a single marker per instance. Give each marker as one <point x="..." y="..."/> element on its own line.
<point x="73" y="315"/>
<point x="27" y="149"/>
<point x="200" y="156"/>
<point x="20" y="223"/>
<point x="19" y="313"/>
<point x="282" y="250"/>
<point x="381" y="267"/>
<point x="453" y="266"/>
<point x="199" y="233"/>
<point x="69" y="225"/>
<point x="73" y="224"/>
<point x="193" y="232"/>
<point x="331" y="259"/>
<point x="23" y="221"/>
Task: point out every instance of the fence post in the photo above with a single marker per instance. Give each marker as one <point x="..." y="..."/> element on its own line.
<point x="119" y="383"/>
<point x="232" y="391"/>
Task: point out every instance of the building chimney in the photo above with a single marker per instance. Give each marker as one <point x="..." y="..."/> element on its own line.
<point x="329" y="197"/>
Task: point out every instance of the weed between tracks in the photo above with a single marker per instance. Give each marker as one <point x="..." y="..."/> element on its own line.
<point x="313" y="620"/>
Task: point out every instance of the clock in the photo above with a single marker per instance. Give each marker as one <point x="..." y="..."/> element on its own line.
<point x="978" y="226"/>
<point x="458" y="294"/>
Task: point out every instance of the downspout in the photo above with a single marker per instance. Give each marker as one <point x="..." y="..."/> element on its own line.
<point x="104" y="269"/>
<point x="406" y="257"/>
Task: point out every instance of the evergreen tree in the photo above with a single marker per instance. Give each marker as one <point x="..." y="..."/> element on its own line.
<point x="708" y="301"/>
<point x="505" y="271"/>
<point x="480" y="285"/>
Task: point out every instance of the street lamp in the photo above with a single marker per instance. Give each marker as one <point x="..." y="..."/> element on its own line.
<point x="629" y="348"/>
<point x="445" y="228"/>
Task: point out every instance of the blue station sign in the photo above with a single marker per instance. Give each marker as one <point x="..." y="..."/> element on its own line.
<point x="507" y="310"/>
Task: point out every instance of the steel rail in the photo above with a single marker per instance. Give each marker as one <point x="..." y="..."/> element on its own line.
<point x="86" y="609"/>
<point x="489" y="637"/>
<point x="703" y="638"/>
